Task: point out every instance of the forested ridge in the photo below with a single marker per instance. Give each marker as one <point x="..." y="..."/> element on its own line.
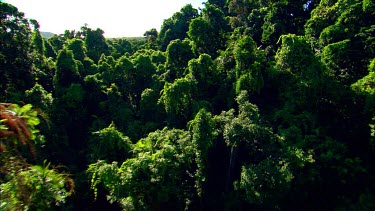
<point x="240" y="105"/>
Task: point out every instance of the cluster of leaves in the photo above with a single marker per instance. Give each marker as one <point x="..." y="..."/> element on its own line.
<point x="32" y="187"/>
<point x="17" y="126"/>
<point x="23" y="186"/>
<point x="243" y="104"/>
<point x="159" y="175"/>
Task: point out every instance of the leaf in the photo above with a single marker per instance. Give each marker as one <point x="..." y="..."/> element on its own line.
<point x="25" y="109"/>
<point x="3" y="127"/>
<point x="33" y="121"/>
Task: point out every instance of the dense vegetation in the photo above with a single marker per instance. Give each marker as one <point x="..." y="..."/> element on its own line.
<point x="245" y="104"/>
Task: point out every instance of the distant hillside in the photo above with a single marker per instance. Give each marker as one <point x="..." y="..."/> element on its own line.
<point x="135" y="38"/>
<point x="47" y="34"/>
<point x="128" y="38"/>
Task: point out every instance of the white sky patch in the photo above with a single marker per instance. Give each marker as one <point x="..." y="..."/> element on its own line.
<point x="117" y="18"/>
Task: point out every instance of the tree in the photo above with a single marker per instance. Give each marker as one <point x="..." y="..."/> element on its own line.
<point x="176" y="27"/>
<point x="149" y="108"/>
<point x="37" y="40"/>
<point x="204" y="72"/>
<point x="260" y="165"/>
<point x="15" y="61"/>
<point x="296" y="57"/>
<point x="49" y="51"/>
<point x="177" y="98"/>
<point x="158" y="177"/>
<point x="57" y="42"/>
<point x="202" y="128"/>
<point x="178" y="55"/>
<point x="118" y="47"/>
<point x="17" y="126"/>
<point x="109" y="144"/>
<point x="218" y="3"/>
<point x="269" y="106"/>
<point x="341" y="32"/>
<point x="121" y="110"/>
<point x="141" y="76"/>
<point x="66" y="70"/>
<point x="249" y="65"/>
<point x="365" y="88"/>
<point x="107" y="69"/>
<point x="78" y="49"/>
<point x="209" y="32"/>
<point x="26" y="186"/>
<point x="95" y="44"/>
<point x="158" y="57"/>
<point x="239" y="9"/>
<point x="255" y="23"/>
<point x="151" y="35"/>
<point x="284" y="17"/>
<point x="39" y="97"/>
<point x="36" y="187"/>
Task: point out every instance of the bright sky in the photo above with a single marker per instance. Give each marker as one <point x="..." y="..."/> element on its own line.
<point x="117" y="18"/>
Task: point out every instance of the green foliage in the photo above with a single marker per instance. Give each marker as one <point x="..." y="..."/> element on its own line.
<point x="149" y="108"/>
<point x="121" y="114"/>
<point x="15" y="53"/>
<point x="34" y="188"/>
<point x="178" y="55"/>
<point x="78" y="49"/>
<point x="73" y="96"/>
<point x="239" y="11"/>
<point x="106" y="68"/>
<point x="368" y="6"/>
<point x="39" y="97"/>
<point x="249" y="65"/>
<point x="208" y="32"/>
<point x="37" y="42"/>
<point x="337" y="29"/>
<point x="66" y="70"/>
<point x="305" y="70"/>
<point x="177" y="26"/>
<point x="23" y="186"/>
<point x="244" y="53"/>
<point x="365" y="87"/>
<point x="139" y="77"/>
<point x="200" y="33"/>
<point x="151" y="35"/>
<point x="268" y="166"/>
<point x="266" y="182"/>
<point x="202" y="127"/>
<point x="158" y="57"/>
<point x="18" y="126"/>
<point x="367" y="83"/>
<point x="331" y="34"/>
<point x="245" y="126"/>
<point x="124" y="65"/>
<point x="57" y="42"/>
<point x="177" y="98"/>
<point x="293" y="52"/>
<point x="158" y="177"/>
<point x="95" y="44"/>
<point x="109" y="144"/>
<point x="274" y="102"/>
<point x="372" y="133"/>
<point x="27" y="113"/>
<point x="206" y="75"/>
<point x="333" y="56"/>
<point x="144" y="68"/>
<point x="49" y="51"/>
<point x="89" y="67"/>
<point x="119" y="47"/>
<point x="284" y="17"/>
